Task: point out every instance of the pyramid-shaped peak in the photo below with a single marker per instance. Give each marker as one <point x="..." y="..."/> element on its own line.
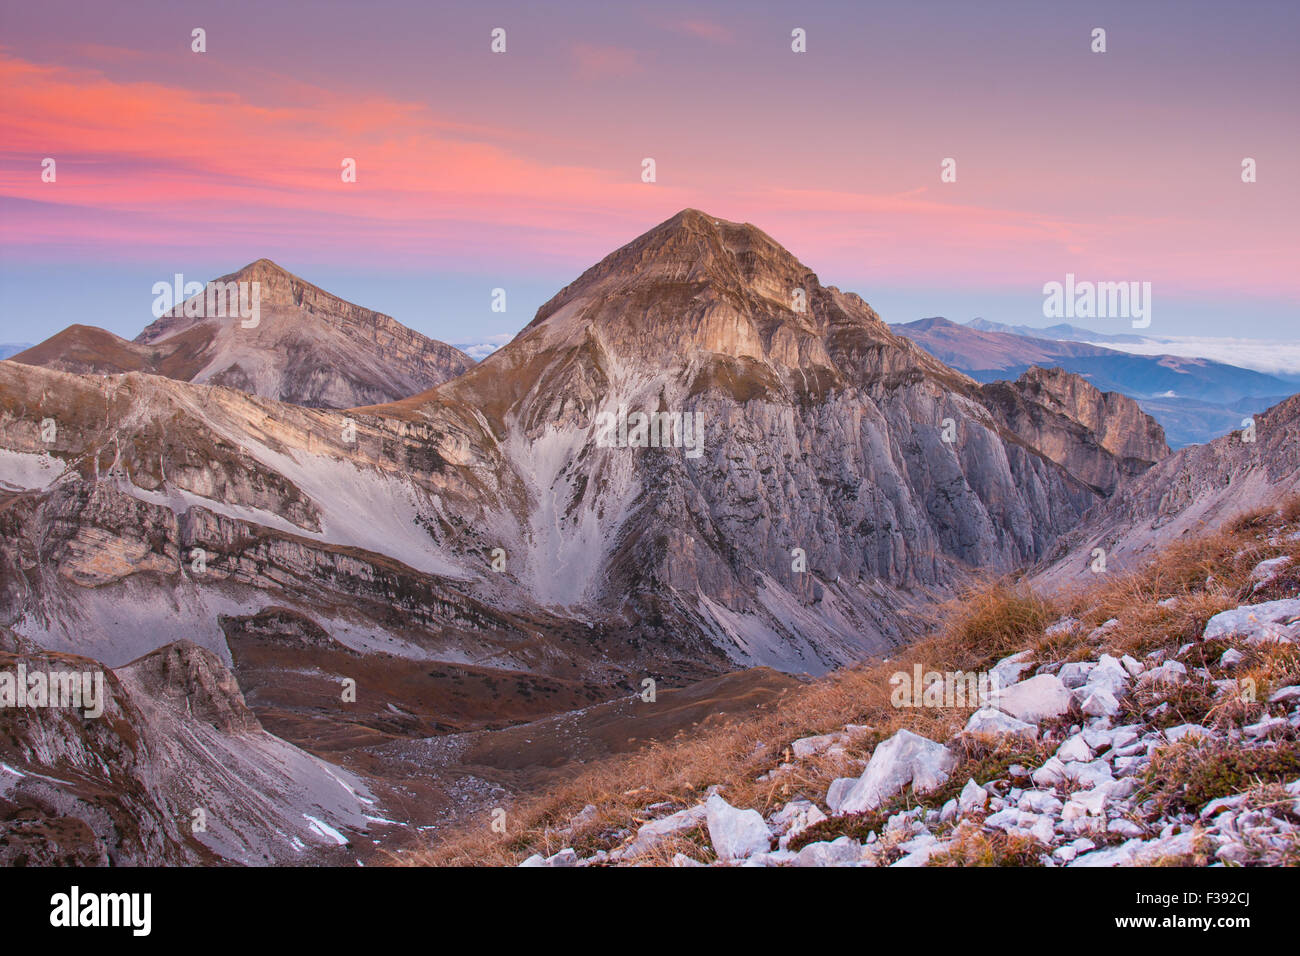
<point x="264" y="269"/>
<point x="692" y="249"/>
<point x="694" y="224"/>
<point x="274" y="288"/>
<point x="279" y="286"/>
<point x="265" y="264"/>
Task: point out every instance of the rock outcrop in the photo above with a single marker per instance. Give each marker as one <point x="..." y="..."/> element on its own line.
<point x="1100" y="437"/>
<point x="1199" y="488"/>
<point x="175" y="770"/>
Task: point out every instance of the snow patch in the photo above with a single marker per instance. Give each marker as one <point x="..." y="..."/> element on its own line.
<point x="25" y="471"/>
<point x="325" y="830"/>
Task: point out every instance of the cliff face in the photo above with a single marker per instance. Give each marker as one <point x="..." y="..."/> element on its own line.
<point x="1100" y="437"/>
<point x="1196" y="489"/>
<point x="826" y="491"/>
<point x="308" y="347"/>
<point x="1119" y="423"/>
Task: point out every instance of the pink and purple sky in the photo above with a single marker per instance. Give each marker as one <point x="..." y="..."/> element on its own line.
<point x="478" y="170"/>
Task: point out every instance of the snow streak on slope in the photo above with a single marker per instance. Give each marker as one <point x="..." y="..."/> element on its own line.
<point x="23" y="471"/>
<point x="573" y="526"/>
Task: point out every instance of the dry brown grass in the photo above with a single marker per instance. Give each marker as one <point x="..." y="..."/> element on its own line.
<point x="1289" y="510"/>
<point x="971" y="846"/>
<point x="984" y="624"/>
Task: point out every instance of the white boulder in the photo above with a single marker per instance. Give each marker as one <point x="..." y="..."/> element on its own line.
<point x="1100" y="703"/>
<point x="1074" y="673"/>
<point x="839" y="852"/>
<point x="902" y="759"/>
<point x="972" y="797"/>
<point x="1109" y="674"/>
<point x="651" y="834"/>
<point x="839" y="788"/>
<point x="1257" y="623"/>
<point x="1050" y="773"/>
<point x="1076" y="748"/>
<point x="993" y="722"/>
<point x="795" y="817"/>
<point x="806" y="747"/>
<point x="1008" y="670"/>
<point x="1035" y="699"/>
<point x="1266" y="571"/>
<point x="735" y="833"/>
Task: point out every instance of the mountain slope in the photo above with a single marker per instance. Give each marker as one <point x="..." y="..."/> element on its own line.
<point x="839" y="474"/>
<point x="308" y="347"/>
<point x="1197" y="489"/>
<point x="176" y="770"/>
<point x="823" y="432"/>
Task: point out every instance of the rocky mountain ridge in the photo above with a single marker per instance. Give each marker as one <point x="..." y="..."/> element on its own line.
<point x="307" y="346"/>
<point x="1199" y="488"/>
<point x="1101" y="438"/>
<point x="1195" y="400"/>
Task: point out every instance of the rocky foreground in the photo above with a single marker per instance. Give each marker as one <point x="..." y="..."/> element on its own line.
<point x="1089" y="755"/>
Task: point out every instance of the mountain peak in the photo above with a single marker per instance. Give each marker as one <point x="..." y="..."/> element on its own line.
<point x="698" y="231"/>
<point x="275" y="335"/>
<point x="262" y="267"/>
<point x="698" y="303"/>
<point x="689" y="271"/>
<point x="927" y="324"/>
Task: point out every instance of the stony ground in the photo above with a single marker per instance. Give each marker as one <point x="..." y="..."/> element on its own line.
<point x="1187" y="753"/>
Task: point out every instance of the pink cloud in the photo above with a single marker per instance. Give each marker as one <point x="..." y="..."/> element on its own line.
<point x="146" y="165"/>
<point x="162" y="158"/>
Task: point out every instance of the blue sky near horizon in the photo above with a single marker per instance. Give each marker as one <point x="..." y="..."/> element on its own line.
<point x="42" y="300"/>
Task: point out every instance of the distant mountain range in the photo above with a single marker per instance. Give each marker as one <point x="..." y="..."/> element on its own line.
<point x="1062" y="332"/>
<point x="1196" y="400"/>
<point x="9" y="348"/>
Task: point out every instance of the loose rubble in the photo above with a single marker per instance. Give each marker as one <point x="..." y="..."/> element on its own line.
<point x="1085" y="801"/>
